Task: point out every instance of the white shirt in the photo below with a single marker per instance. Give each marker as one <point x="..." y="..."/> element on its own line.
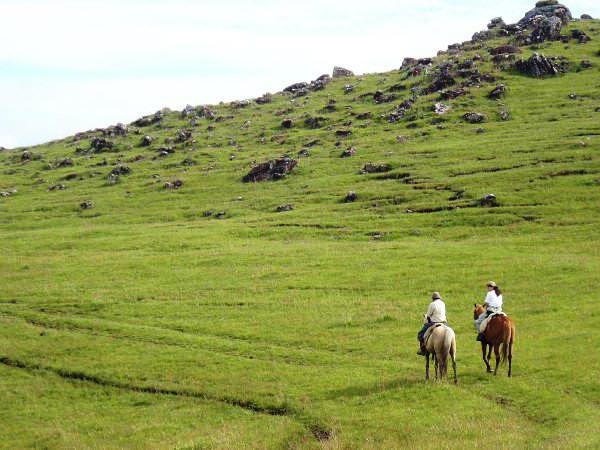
<point x="493" y="300"/>
<point x="436" y="311"/>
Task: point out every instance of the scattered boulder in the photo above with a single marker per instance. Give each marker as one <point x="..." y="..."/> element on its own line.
<point x="120" y="170"/>
<point x="440" y="108"/>
<point x="380" y="97"/>
<point x="364" y="116"/>
<point x="442" y="81"/>
<point x="504" y="115"/>
<point x="87" y="204"/>
<point x="538" y="66"/>
<point x="473" y="117"/>
<point x="450" y="94"/>
<point x="146" y="141"/>
<point x="314" y="122"/>
<point x="165" y="151"/>
<point x="375" y="168"/>
<point x="580" y="36"/>
<point x="173" y="184"/>
<point x="149" y="120"/>
<point x="26" y="155"/>
<point x="489" y="200"/>
<point x="183" y="135"/>
<point x="505" y="49"/>
<point x="264" y="99"/>
<point x="270" y="170"/>
<point x="295" y="88"/>
<point x="350" y="197"/>
<point x="350" y="151"/>
<point x="496" y="22"/>
<point x="284" y="208"/>
<point x="348" y="88"/>
<point x="287" y="123"/>
<point x="57" y="187"/>
<point x="340" y="72"/>
<point x="343" y="133"/>
<point x="99" y="145"/>
<point x="498" y="92"/>
<point x="67" y="162"/>
<point x="8" y="193"/>
<point x="586" y="64"/>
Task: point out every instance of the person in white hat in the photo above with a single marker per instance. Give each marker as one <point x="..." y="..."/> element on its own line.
<point x="436" y="313"/>
<point x="493" y="304"/>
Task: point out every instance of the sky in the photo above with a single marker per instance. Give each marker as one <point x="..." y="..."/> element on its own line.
<point x="73" y="65"/>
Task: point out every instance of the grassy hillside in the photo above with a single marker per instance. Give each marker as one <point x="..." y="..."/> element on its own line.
<point x="201" y="317"/>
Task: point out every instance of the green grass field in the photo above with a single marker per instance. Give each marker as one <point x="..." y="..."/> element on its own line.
<point x="145" y="323"/>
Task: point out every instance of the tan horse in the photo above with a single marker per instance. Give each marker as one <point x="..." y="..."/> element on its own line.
<point x="440" y="343"/>
<point x="499" y="332"/>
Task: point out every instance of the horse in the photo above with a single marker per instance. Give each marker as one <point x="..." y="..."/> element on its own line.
<point x="499" y="332"/>
<point x="440" y="342"/>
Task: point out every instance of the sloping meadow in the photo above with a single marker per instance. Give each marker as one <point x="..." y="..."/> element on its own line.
<point x="152" y="299"/>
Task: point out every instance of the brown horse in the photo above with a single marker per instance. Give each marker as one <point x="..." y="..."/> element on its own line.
<point x="500" y="331"/>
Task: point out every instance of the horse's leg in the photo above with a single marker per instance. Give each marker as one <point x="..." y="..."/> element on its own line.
<point x="483" y="350"/>
<point x="436" y="365"/>
<point x="489" y="357"/>
<point x="453" y="356"/>
<point x="497" y="354"/>
<point x="427" y="367"/>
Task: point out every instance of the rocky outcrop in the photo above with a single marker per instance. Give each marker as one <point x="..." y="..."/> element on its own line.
<point x="340" y="72"/>
<point x="547" y="8"/>
<point x="538" y="66"/>
<point x="270" y="170"/>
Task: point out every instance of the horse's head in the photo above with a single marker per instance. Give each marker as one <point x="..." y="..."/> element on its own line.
<point x="477" y="310"/>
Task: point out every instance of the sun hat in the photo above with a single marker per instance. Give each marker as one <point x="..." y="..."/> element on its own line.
<point x="436" y="296"/>
<point x="492" y="284"/>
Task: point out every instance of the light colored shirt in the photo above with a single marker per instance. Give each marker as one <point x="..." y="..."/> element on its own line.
<point x="436" y="311"/>
<point x="493" y="300"/>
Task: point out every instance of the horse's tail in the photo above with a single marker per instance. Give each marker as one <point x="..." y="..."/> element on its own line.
<point x="447" y="347"/>
<point x="508" y="334"/>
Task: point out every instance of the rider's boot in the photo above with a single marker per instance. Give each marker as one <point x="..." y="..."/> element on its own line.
<point x="480" y="337"/>
<point x="423" y="350"/>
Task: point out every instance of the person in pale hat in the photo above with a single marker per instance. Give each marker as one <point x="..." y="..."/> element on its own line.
<point x="492" y="304"/>
<point x="436" y="313"/>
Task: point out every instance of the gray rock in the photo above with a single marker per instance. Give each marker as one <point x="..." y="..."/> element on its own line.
<point x="87" y="204"/>
<point x="473" y="117"/>
<point x="350" y="197"/>
<point x="441" y="108"/>
<point x="498" y="92"/>
<point x="270" y="170"/>
<point x="146" y="141"/>
<point x="496" y="22"/>
<point x="350" y="151"/>
<point x="340" y="72"/>
<point x="538" y="66"/>
<point x="285" y="208"/>
<point x="548" y="8"/>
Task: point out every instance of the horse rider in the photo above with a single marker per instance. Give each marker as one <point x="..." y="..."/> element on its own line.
<point x="436" y="313"/>
<point x="492" y="304"/>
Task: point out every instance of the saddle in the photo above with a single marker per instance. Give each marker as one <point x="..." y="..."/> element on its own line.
<point x="427" y="334"/>
<point x="485" y="322"/>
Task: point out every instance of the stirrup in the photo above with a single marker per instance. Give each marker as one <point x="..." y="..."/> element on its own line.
<point x="480" y="337"/>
